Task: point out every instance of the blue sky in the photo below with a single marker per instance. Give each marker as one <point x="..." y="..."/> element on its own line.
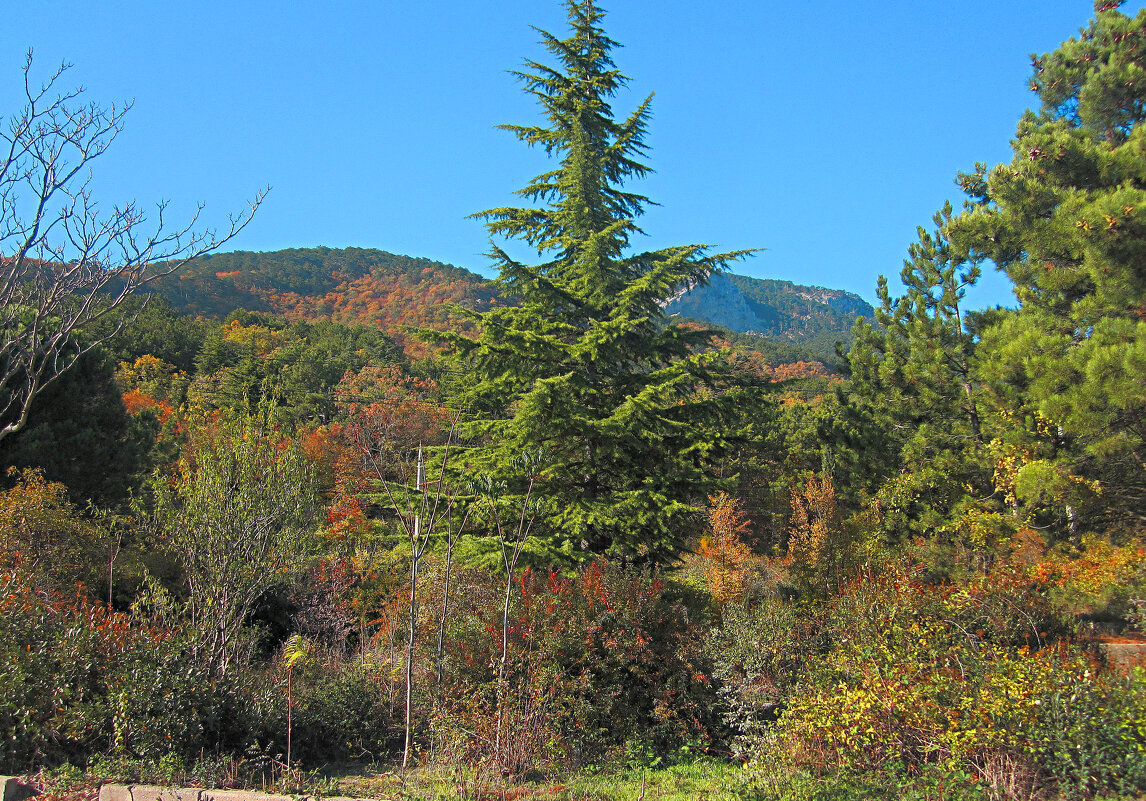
<point x="823" y="133"/>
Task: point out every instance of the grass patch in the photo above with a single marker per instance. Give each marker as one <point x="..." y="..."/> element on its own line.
<point x="711" y="780"/>
<point x="700" y="780"/>
<point x="703" y="779"/>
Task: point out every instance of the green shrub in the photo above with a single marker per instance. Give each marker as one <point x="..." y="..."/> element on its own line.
<point x="1090" y="734"/>
<point x="342" y="712"/>
<point x="163" y="701"/>
<point x="760" y="652"/>
<point x="78" y="681"/>
<point x="934" y="679"/>
<point x="29" y="697"/>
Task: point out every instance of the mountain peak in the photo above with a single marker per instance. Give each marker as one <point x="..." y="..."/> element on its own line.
<point x="770" y="307"/>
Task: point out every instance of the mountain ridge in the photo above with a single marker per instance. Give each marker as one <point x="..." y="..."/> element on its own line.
<point x="393" y="291"/>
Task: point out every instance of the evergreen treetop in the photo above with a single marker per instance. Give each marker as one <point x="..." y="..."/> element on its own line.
<point x="583" y="366"/>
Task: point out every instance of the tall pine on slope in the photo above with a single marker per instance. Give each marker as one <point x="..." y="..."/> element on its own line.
<point x="913" y="376"/>
<point x="1066" y="219"/>
<point x="583" y="369"/>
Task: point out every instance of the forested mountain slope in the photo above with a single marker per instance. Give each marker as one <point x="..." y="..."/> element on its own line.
<point x="348" y="285"/>
<point x="377" y="288"/>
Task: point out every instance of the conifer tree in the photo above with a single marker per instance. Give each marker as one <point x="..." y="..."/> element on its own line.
<point x="1066" y="219"/>
<point x="582" y="366"/>
<point x="914" y="375"/>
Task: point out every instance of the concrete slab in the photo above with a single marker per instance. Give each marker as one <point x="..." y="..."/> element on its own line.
<point x="1123" y="657"/>
<point x="150" y="792"/>
<point x="15" y="790"/>
<point x="239" y="795"/>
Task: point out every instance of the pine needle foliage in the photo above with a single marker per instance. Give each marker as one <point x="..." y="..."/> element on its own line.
<point x="582" y="366"/>
<point x="1065" y="220"/>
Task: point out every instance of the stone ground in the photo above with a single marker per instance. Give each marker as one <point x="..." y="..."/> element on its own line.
<point x="16" y="790"/>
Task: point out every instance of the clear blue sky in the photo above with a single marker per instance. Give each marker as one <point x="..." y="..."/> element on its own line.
<point x="822" y="132"/>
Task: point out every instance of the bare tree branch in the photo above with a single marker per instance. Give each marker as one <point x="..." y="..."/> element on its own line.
<point x="64" y="261"/>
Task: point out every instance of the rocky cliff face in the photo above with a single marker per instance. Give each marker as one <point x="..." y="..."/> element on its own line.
<point x="720" y="303"/>
<point x="769" y="307"/>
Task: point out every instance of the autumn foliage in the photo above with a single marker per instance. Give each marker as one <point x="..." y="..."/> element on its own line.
<point x="813" y="548"/>
<point x="727" y="561"/>
<point x="45" y="538"/>
<point x="391" y="302"/>
<point x="135" y="402"/>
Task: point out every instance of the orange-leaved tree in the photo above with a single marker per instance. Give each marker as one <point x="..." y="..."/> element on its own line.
<point x="814" y="555"/>
<point x="728" y="562"/>
<point x="44" y="537"/>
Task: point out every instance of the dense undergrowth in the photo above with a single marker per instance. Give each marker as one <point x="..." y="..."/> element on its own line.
<point x="898" y="683"/>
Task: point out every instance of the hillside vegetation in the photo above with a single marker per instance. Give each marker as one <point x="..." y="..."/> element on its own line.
<point x="375" y="288"/>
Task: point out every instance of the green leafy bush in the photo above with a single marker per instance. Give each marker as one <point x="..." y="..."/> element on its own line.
<point x="343" y="712"/>
<point x="760" y="652"/>
<point x="1090" y="734"/>
<point x="917" y="677"/>
<point x="77" y="680"/>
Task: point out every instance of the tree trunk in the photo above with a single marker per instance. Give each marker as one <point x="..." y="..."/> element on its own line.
<point x="410" y="638"/>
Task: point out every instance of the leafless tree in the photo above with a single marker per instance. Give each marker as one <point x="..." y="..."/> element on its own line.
<point x="511" y="541"/>
<point x="66" y="262"/>
<point x="420" y="511"/>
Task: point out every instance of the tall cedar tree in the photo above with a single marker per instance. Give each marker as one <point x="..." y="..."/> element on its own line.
<point x="583" y="367"/>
